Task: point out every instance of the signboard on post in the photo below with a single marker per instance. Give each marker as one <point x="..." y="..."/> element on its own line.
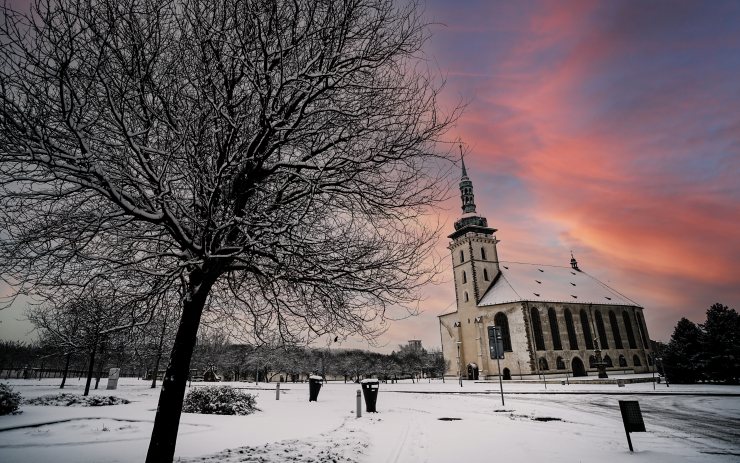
<point x="495" y="342"/>
<point x="632" y="418"/>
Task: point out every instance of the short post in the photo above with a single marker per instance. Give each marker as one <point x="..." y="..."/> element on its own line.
<point x="277" y="391"/>
<point x="359" y="403"/>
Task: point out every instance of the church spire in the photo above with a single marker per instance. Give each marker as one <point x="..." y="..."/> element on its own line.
<point x="466" y="188"/>
<point x="470" y="220"/>
<point x="462" y="159"/>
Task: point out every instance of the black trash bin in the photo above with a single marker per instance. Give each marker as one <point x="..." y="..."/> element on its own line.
<point x="370" y="392"/>
<point x="314" y="386"/>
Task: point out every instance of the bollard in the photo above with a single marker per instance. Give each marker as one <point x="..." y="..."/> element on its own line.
<point x="359" y="403"/>
<point x="277" y="391"/>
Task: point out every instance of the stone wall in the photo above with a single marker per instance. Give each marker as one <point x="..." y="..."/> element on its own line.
<point x="521" y="360"/>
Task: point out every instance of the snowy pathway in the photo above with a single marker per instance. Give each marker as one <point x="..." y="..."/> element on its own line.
<point x="438" y="426"/>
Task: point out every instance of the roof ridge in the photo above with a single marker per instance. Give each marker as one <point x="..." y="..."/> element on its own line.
<point x="533" y="264"/>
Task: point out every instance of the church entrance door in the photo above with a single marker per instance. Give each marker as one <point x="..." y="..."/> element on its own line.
<point x="577" y="366"/>
<point x="472" y="371"/>
<point x="507" y="373"/>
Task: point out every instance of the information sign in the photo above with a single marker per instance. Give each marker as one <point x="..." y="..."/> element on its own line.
<point x="632" y="418"/>
<point x="495" y="342"/>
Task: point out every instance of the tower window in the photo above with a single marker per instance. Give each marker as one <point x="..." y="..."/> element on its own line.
<point x="485" y="274"/>
<point x="466" y="296"/>
<point x="462" y="256"/>
<point x="483" y="253"/>
<point x="465" y="277"/>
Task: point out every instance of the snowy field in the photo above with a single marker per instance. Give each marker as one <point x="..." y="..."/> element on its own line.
<point x="563" y="423"/>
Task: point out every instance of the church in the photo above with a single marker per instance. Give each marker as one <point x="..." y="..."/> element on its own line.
<point x="551" y="320"/>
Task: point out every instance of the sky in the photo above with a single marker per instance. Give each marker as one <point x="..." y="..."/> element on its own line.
<point x="608" y="128"/>
<point x="611" y="129"/>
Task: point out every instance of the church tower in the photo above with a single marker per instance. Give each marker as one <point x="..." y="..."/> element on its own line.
<point x="473" y="249"/>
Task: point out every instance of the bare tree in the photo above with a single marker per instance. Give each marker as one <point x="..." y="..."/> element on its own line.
<point x="84" y="324"/>
<point x="274" y="159"/>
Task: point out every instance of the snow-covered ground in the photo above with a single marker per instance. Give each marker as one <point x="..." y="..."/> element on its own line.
<point x="684" y="424"/>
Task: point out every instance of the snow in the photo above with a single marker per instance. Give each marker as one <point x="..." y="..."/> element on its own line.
<point x="369" y="381"/>
<point x="316" y="377"/>
<point x="416" y="422"/>
<point x="537" y="282"/>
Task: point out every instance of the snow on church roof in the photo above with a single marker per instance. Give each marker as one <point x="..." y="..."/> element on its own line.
<point x="548" y="283"/>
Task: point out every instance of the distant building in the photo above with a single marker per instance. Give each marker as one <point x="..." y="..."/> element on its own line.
<point x="415" y="344"/>
<point x="552" y="318"/>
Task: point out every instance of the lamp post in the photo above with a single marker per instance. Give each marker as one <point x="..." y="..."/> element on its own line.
<point x="660" y="359"/>
<point x="479" y="323"/>
<point x="499" y="344"/>
<point x="459" y="367"/>
<point x="518" y="364"/>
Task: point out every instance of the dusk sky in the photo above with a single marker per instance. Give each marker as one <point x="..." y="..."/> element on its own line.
<point x="608" y="128"/>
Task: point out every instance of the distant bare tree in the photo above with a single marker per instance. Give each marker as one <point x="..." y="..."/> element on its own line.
<point x="85" y="322"/>
<point x="275" y="159"/>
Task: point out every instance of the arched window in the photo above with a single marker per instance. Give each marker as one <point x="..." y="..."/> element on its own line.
<point x="643" y="330"/>
<point x="466" y="296"/>
<point x="465" y="277"/>
<point x="592" y="361"/>
<point x="636" y="361"/>
<point x="628" y="328"/>
<point x="571" y="330"/>
<point x="502" y="322"/>
<point x="462" y="256"/>
<point x="622" y="361"/>
<point x="603" y="342"/>
<point x="554" y="329"/>
<point x="608" y="361"/>
<point x="615" y="330"/>
<point x="483" y="253"/>
<point x="559" y="364"/>
<point x="543" y="364"/>
<point x="485" y="274"/>
<point x="539" y="340"/>
<point x="586" y="330"/>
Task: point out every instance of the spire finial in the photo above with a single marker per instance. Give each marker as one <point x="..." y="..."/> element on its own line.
<point x="462" y="160"/>
<point x="573" y="262"/>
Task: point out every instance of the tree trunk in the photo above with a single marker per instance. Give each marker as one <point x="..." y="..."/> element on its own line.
<point x="90" y="369"/>
<point x="169" y="408"/>
<point x="100" y="366"/>
<point x="66" y="370"/>
<point x="159" y="352"/>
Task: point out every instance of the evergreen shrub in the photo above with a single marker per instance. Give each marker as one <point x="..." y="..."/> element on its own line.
<point x="219" y="400"/>
<point x="9" y="400"/>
